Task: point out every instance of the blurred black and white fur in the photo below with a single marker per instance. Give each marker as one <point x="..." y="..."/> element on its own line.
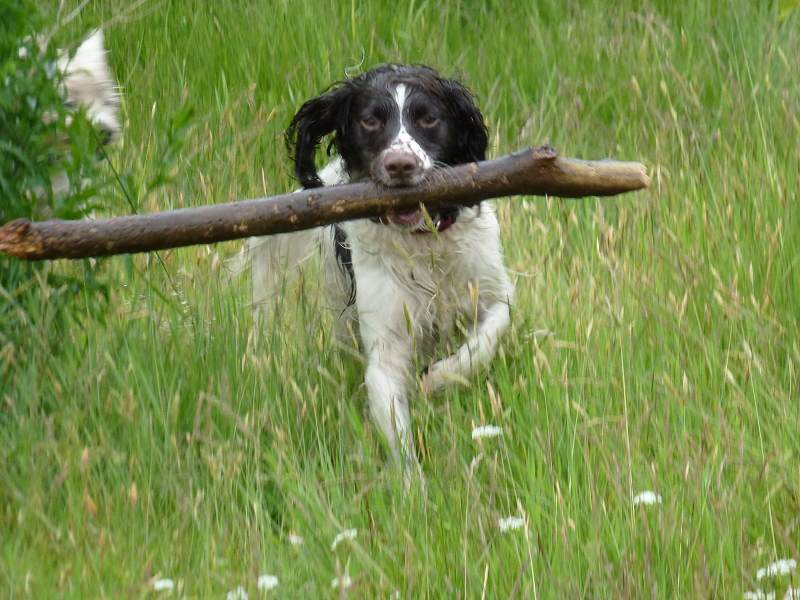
<point x="88" y="84"/>
<point x="413" y="282"/>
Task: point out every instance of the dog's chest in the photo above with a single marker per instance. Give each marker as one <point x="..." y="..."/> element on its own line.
<point x="437" y="289"/>
<point x="434" y="279"/>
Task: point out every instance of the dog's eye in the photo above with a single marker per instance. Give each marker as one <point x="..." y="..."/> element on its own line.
<point x="428" y="121"/>
<point x="371" y="123"/>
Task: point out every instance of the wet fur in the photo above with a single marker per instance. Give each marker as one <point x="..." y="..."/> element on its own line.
<point x="405" y="291"/>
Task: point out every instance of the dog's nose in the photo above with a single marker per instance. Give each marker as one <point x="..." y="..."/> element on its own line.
<point x="400" y="164"/>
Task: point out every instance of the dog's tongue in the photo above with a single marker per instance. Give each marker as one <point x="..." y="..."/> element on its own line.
<point x="405" y="218"/>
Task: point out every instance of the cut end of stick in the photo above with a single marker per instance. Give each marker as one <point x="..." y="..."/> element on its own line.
<point x="639" y="176"/>
<point x="19" y="239"/>
<point x="644" y="178"/>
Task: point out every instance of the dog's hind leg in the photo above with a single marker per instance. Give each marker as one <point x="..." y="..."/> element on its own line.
<point x="274" y="261"/>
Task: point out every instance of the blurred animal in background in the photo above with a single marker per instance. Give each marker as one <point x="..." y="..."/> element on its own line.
<point x="88" y="83"/>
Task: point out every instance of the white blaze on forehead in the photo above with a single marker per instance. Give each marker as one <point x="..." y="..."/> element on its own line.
<point x="404" y="141"/>
<point x="400" y="97"/>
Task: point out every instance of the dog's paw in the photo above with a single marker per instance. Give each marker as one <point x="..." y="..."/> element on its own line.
<point x="439" y="375"/>
<point x="432" y="379"/>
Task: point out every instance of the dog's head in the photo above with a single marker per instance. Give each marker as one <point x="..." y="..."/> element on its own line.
<point x="392" y="124"/>
<point x="89" y="84"/>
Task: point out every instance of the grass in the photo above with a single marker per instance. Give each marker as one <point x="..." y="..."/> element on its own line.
<point x="153" y="438"/>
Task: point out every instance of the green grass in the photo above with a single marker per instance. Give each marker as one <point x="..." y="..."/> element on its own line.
<point x="154" y="438"/>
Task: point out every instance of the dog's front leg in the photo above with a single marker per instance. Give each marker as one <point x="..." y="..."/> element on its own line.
<point x="388" y="382"/>
<point x="388" y="403"/>
<point x="475" y="353"/>
<point x="383" y="313"/>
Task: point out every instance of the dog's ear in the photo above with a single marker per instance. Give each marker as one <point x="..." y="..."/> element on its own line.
<point x="316" y="118"/>
<point x="473" y="137"/>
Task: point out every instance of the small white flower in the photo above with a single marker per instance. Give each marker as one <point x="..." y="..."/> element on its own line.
<point x="238" y="594"/>
<point x="295" y="540"/>
<point x="267" y="582"/>
<point x="793" y="593"/>
<point x="759" y="595"/>
<point x="347" y="534"/>
<point x="647" y="497"/>
<point x="163" y="585"/>
<point x="22" y="53"/>
<point x="342" y="582"/>
<point x="486" y="431"/>
<point x="510" y="523"/>
<point x="779" y="567"/>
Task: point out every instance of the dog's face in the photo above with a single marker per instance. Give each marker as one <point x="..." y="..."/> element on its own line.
<point x="392" y="124"/>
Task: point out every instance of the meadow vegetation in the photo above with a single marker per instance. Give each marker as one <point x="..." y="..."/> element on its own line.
<point x="144" y="433"/>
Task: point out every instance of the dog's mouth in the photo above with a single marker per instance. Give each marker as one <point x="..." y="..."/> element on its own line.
<point x="417" y="221"/>
<point x="408" y="218"/>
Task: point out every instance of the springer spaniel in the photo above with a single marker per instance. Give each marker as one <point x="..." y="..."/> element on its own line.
<point x="409" y="280"/>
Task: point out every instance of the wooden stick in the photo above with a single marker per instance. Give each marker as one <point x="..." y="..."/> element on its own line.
<point x="537" y="171"/>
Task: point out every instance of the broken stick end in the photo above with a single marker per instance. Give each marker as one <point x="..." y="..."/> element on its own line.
<point x="644" y="178"/>
<point x="20" y="240"/>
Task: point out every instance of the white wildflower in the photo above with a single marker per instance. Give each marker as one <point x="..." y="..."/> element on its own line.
<point x="486" y="431"/>
<point x="267" y="582"/>
<point x="759" y="595"/>
<point x="510" y="523"/>
<point x="347" y="534"/>
<point x="779" y="567"/>
<point x="22" y="52"/>
<point x="295" y="540"/>
<point x="646" y="497"/>
<point x="238" y="594"/>
<point x="342" y="582"/>
<point x="163" y="585"/>
<point x="793" y="593"/>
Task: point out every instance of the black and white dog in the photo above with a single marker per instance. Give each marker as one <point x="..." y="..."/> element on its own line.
<point x="410" y="280"/>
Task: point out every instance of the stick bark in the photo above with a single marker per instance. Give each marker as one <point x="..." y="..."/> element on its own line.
<point x="535" y="171"/>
